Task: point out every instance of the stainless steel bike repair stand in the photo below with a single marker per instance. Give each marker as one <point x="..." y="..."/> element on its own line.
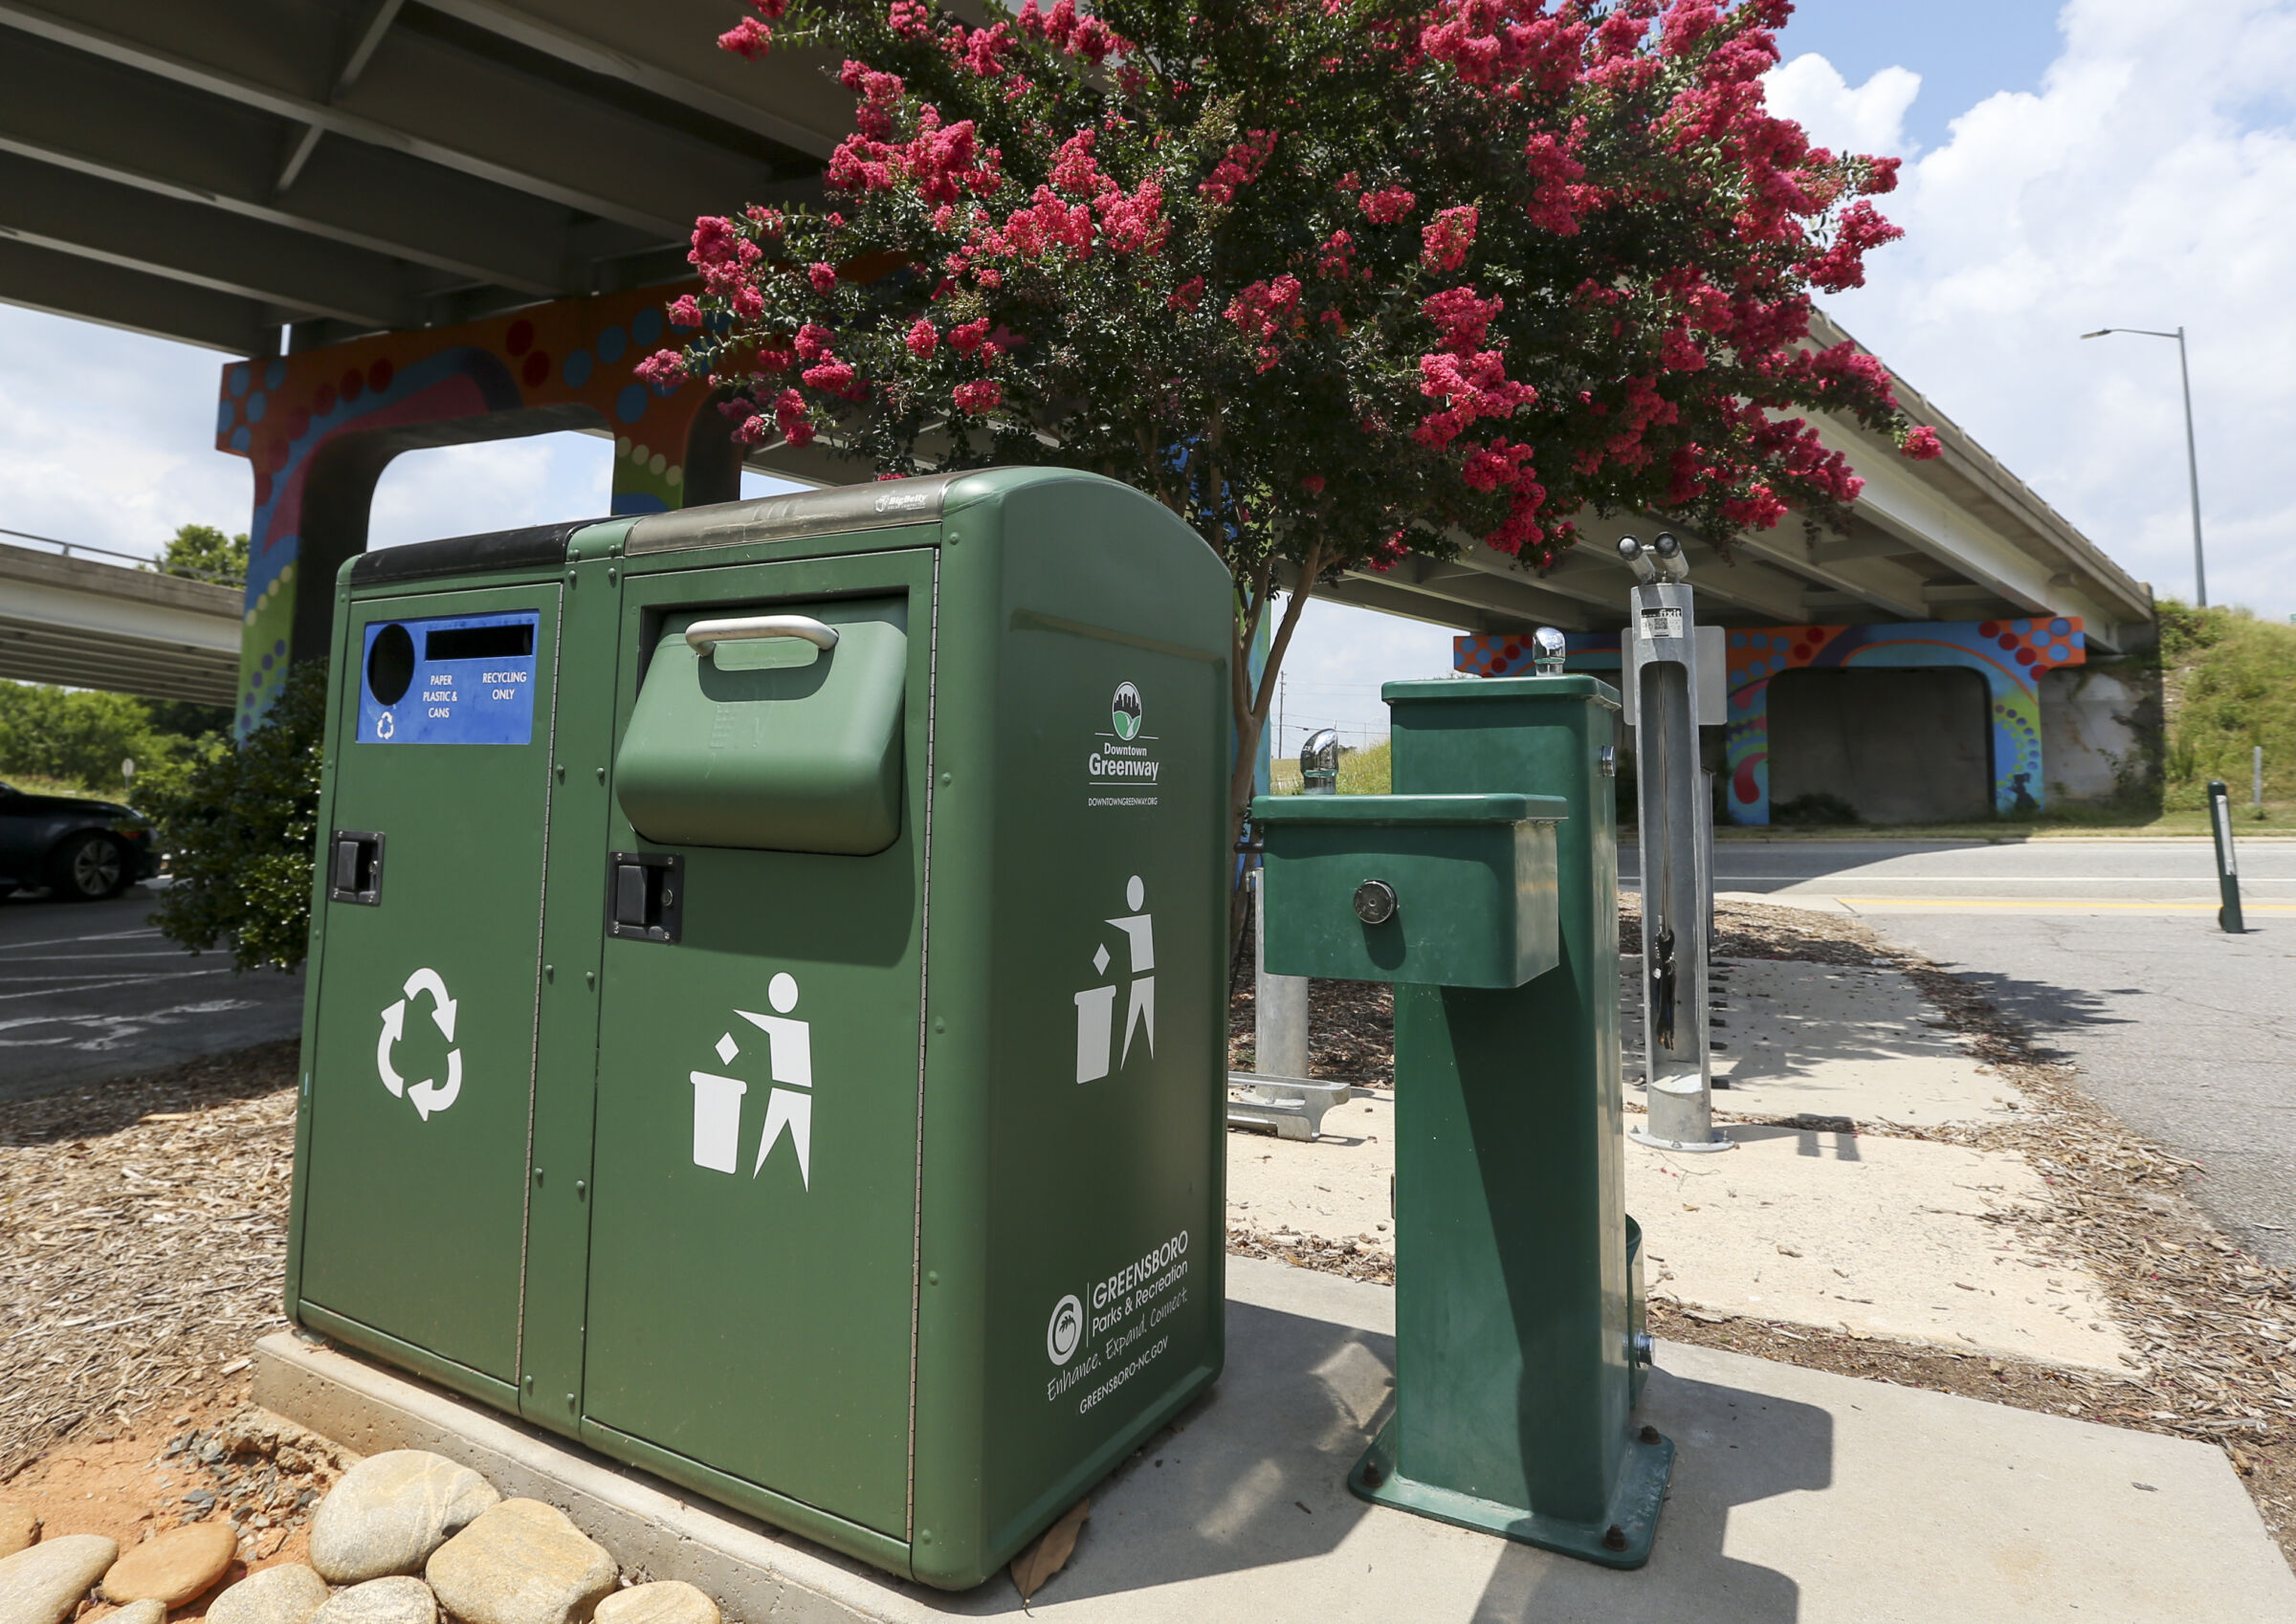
<point x="1677" y="882"/>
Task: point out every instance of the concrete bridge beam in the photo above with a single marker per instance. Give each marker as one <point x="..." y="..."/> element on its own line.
<point x="82" y="624"/>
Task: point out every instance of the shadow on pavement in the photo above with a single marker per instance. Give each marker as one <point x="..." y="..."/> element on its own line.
<point x="1732" y="1448"/>
<point x="1253" y="1478"/>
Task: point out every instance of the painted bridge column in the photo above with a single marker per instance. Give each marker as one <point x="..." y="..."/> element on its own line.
<point x="320" y="426"/>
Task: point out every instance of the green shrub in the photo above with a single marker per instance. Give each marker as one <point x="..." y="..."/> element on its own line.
<point x="242" y="825"/>
<point x="2231" y="684"/>
<point x="76" y="738"/>
<point x="1361" y="772"/>
<point x="75" y="741"/>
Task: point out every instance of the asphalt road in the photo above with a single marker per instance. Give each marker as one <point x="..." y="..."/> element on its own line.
<point x="2109" y="951"/>
<point x="89" y="991"/>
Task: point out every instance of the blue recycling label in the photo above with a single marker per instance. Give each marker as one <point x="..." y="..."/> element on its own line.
<point x="455" y="679"/>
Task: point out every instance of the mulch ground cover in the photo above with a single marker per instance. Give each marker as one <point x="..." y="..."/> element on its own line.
<point x="142" y="1235"/>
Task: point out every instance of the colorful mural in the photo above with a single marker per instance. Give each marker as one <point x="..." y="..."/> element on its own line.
<point x="2010" y="655"/>
<point x="561" y="365"/>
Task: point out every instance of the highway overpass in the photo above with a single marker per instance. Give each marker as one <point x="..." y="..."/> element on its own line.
<point x="87" y="624"/>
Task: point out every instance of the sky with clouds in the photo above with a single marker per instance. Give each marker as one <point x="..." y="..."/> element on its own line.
<point x="2103" y="163"/>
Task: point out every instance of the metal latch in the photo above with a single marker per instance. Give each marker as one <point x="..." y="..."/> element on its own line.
<point x="645" y="896"/>
<point x="355" y="867"/>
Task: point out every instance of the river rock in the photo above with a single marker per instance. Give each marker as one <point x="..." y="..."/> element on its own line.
<point x="173" y="1568"/>
<point x="669" y="1601"/>
<point x="287" y="1595"/>
<point x="521" y="1563"/>
<point x="19" y="1528"/>
<point x="400" y="1599"/>
<point x="44" y="1584"/>
<point x="392" y="1511"/>
<point x="135" y="1612"/>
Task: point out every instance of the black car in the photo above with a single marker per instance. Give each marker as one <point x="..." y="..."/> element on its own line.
<point x="82" y="850"/>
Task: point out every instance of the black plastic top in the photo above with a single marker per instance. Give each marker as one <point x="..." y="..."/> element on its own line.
<point x="883" y="504"/>
<point x="536" y="546"/>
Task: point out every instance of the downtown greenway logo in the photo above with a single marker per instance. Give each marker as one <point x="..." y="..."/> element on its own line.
<point x="1122" y="768"/>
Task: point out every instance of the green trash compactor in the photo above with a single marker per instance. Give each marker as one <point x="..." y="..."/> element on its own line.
<point x="767" y="1000"/>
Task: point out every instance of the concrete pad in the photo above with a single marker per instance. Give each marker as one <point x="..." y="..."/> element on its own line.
<point x="1832" y="1039"/>
<point x="1798" y="1495"/>
<point x="1881" y="1237"/>
<point x="1336" y="1186"/>
<point x="1877" y="1236"/>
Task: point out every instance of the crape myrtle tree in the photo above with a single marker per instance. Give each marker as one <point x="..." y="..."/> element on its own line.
<point x="1334" y="280"/>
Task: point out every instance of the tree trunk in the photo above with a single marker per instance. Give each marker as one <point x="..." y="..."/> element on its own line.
<point x="1250" y="706"/>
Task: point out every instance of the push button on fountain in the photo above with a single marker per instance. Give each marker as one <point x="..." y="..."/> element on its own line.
<point x="1375" y="902"/>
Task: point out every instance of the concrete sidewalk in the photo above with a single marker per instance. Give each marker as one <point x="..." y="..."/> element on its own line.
<point x="1798" y="1496"/>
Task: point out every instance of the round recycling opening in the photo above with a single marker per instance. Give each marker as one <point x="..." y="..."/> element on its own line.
<point x="390" y="665"/>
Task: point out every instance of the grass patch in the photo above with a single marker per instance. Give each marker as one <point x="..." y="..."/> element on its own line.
<point x="2229" y="680"/>
<point x="1361" y="772"/>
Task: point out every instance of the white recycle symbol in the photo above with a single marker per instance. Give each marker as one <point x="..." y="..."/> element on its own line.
<point x="428" y="1096"/>
<point x="384" y="727"/>
<point x="789" y="1061"/>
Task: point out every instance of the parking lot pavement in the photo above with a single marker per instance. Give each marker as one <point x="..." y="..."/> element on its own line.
<point x="90" y="991"/>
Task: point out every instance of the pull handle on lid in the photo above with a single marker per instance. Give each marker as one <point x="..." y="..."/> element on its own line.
<point x="703" y="636"/>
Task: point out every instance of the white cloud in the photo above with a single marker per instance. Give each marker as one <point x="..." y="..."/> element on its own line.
<point x="110" y="438"/>
<point x="2147" y="183"/>
<point x="497" y="485"/>
<point x="1869" y="117"/>
<point x="1339" y="658"/>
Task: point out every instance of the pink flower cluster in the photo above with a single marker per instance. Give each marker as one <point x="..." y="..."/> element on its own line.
<point x="1505" y="42"/>
<point x="1265" y="309"/>
<point x="1923" y="444"/>
<point x="664" y="369"/>
<point x="1468" y="387"/>
<point x="1560" y="198"/>
<point x="1063" y="29"/>
<point x="944" y="163"/>
<point x="789" y="417"/>
<point x="1239" y="166"/>
<point x="1464" y="318"/>
<point x="1446" y="239"/>
<point x="722" y="254"/>
<point x="1134" y="222"/>
<point x="1842" y="265"/>
<point x="1388" y="204"/>
<point x="978" y="396"/>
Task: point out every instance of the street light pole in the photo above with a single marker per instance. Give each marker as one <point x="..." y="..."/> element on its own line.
<point x="2191" y="456"/>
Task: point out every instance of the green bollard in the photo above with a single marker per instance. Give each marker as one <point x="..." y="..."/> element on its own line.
<point x="1485" y="888"/>
<point x="2228" y="872"/>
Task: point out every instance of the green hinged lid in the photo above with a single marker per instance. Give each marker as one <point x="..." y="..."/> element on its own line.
<point x="1454" y="890"/>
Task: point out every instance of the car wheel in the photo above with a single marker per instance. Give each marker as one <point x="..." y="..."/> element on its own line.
<point x="90" y="867"/>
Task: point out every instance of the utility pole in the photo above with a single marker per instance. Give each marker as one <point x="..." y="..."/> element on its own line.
<point x="2192" y="456"/>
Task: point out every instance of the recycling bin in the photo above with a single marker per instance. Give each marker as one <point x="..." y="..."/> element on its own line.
<point x="767" y="995"/>
<point x="1486" y="889"/>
